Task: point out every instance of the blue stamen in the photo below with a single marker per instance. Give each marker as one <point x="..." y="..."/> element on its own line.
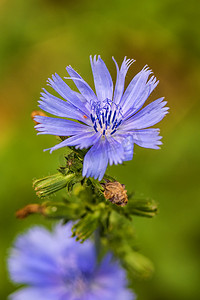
<point x="113" y="131"/>
<point x="119" y="123"/>
<point x="98" y="117"/>
<point x="109" y="117"/>
<point x="114" y="117"/>
<point x="114" y="125"/>
<point x="103" y="119"/>
<point x="92" y="118"/>
<point x="106" y="112"/>
<point x="95" y="127"/>
<point x="106" y="116"/>
<point x="106" y="124"/>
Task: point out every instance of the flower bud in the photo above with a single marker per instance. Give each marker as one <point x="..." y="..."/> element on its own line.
<point x="63" y="210"/>
<point x="86" y="225"/>
<point x="138" y="264"/>
<point x="142" y="207"/>
<point x="51" y="184"/>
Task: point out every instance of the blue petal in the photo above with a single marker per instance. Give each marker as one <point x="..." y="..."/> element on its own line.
<point x="104" y="151"/>
<point x="60" y="108"/>
<point x="31" y="262"/>
<point x="108" y="267"/>
<point x="100" y="293"/>
<point x="147" y="138"/>
<point x="34" y="293"/>
<point x="128" y="147"/>
<point x="138" y="91"/>
<point x="126" y="140"/>
<point x="86" y="259"/>
<point x="124" y="293"/>
<point x="60" y="127"/>
<point x="121" y="74"/>
<point x="109" y="288"/>
<point x="148" y="116"/>
<point x="102" y="79"/>
<point x="141" y="99"/>
<point x="79" y="140"/>
<point x="64" y="90"/>
<point x="115" y="151"/>
<point x="96" y="160"/>
<point x="82" y="86"/>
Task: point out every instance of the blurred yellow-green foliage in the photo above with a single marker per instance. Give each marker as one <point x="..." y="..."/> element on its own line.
<point x="40" y="37"/>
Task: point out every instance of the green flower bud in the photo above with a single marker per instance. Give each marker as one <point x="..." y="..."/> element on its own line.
<point x="67" y="211"/>
<point x="142" y="207"/>
<point x="53" y="183"/>
<point x="86" y="225"/>
<point x="137" y="264"/>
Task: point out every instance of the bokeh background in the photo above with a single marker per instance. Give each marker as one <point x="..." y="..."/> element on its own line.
<point x="40" y="37"/>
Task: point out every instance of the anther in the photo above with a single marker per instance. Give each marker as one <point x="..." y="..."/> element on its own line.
<point x="109" y="117"/>
<point x="113" y="131"/>
<point x="114" y="117"/>
<point x="119" y="123"/>
<point x="106" y="124"/>
<point x="99" y="121"/>
<point x="95" y="127"/>
<point x="103" y="119"/>
<point x="114" y="125"/>
<point x="92" y="118"/>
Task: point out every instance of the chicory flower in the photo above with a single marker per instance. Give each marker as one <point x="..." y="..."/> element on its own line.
<point x="109" y="122"/>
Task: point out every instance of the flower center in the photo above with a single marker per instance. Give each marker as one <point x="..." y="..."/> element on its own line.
<point x="106" y="117"/>
<point x="76" y="281"/>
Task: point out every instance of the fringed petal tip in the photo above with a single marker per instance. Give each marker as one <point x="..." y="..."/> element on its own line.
<point x="127" y="62"/>
<point x="48" y="149"/>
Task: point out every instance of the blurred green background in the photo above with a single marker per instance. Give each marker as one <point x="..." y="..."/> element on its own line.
<point x="40" y="37"/>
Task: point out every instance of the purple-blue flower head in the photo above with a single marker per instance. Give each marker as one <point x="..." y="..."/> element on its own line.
<point x="110" y="121"/>
<point x="53" y="266"/>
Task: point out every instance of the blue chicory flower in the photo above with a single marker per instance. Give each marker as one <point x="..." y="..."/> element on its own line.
<point x="56" y="267"/>
<point x="110" y="121"/>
